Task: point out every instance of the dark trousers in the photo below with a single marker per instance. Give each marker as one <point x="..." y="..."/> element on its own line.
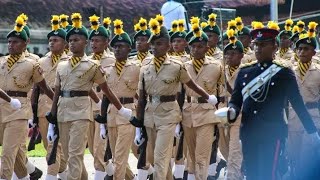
<point x="262" y="157"/>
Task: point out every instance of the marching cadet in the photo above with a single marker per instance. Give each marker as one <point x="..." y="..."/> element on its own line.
<point x="285" y="51"/>
<point x="233" y="53"/>
<point x="99" y="40"/>
<point x="198" y="118"/>
<point x="141" y="39"/>
<point x="160" y="79"/>
<point x="260" y="91"/>
<point x="19" y="74"/>
<point x="144" y="56"/>
<point x="71" y="108"/>
<point x="302" y="152"/>
<point x="212" y="30"/>
<point x="123" y="78"/>
<point x="57" y="42"/>
<point x="245" y="38"/>
<point x="179" y="45"/>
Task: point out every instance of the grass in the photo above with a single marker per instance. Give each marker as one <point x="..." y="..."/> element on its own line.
<point x="41" y="152"/>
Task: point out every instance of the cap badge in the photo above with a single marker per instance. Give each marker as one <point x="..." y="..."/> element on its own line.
<point x="76" y="30"/>
<point x="120" y="38"/>
<point x="259" y="35"/>
<point x="55" y="32"/>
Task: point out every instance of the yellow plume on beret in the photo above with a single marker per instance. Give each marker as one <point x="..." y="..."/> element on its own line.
<point x="212" y="19"/>
<point x="55" y="22"/>
<point x="64" y="20"/>
<point x="118" y="27"/>
<point x="181" y="25"/>
<point x="231" y="36"/>
<point x="160" y="19"/>
<point x="19" y="24"/>
<point x="76" y="20"/>
<point x="196" y="30"/>
<point x="94" y="20"/>
<point x="143" y="24"/>
<point x="154" y="26"/>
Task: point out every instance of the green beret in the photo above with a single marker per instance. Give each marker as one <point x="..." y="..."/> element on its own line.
<point x="26" y="28"/>
<point x="124" y="37"/>
<point x="146" y="33"/>
<point x="284" y="32"/>
<point x="22" y="35"/>
<point x="68" y="27"/>
<point x="101" y="31"/>
<point x="60" y="33"/>
<point x="189" y="36"/>
<point x="81" y="31"/>
<point x="309" y="41"/>
<point x="214" y="29"/>
<point x="244" y="31"/>
<point x="203" y="37"/>
<point x="163" y="34"/>
<point x="178" y="35"/>
<point x="236" y="46"/>
<point x="296" y="35"/>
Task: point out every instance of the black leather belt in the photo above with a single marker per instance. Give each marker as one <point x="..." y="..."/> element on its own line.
<point x="196" y="99"/>
<point x="162" y="98"/>
<point x="74" y="93"/>
<point x="126" y="100"/>
<point x="312" y="105"/>
<point x="17" y="93"/>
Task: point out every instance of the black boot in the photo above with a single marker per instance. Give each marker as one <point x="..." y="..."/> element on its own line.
<point x="222" y="164"/>
<point x="37" y="173"/>
<point x="108" y="177"/>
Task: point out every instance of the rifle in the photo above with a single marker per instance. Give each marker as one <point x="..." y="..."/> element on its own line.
<point x="181" y="98"/>
<point x="140" y="112"/>
<point x="53" y="154"/>
<point x="102" y="119"/>
<point x="35" y="132"/>
<point x="214" y="151"/>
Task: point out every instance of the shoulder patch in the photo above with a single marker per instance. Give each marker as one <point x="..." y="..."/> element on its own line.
<point x="282" y="63"/>
<point x="248" y="64"/>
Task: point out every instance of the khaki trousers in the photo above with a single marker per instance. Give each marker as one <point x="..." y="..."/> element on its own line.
<point x="160" y="141"/>
<point x="73" y="138"/>
<point x="13" y="135"/>
<point x="199" y="140"/>
<point x="120" y="138"/>
<point x="20" y="163"/>
<point x="224" y="137"/>
<point x="60" y="165"/>
<point x="97" y="146"/>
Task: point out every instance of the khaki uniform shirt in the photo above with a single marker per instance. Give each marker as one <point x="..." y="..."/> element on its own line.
<point x="79" y="78"/>
<point x="218" y="55"/>
<point x="309" y="88"/>
<point x="107" y="58"/>
<point x="31" y="55"/>
<point x="145" y="61"/>
<point x="165" y="82"/>
<point x="287" y="56"/>
<point x="125" y="85"/>
<point x="210" y="78"/>
<point x="49" y="73"/>
<point x="23" y="74"/>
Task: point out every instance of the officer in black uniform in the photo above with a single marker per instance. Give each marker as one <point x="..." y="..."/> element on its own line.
<point x="262" y="89"/>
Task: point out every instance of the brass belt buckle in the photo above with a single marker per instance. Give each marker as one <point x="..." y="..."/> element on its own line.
<point x="66" y="94"/>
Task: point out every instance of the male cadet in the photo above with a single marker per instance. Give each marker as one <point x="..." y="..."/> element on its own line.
<point x="245" y="38"/>
<point x="99" y="40"/>
<point x="212" y="30"/>
<point x="303" y="156"/>
<point x="123" y="78"/>
<point x="160" y="79"/>
<point x="71" y="107"/>
<point x="261" y="90"/>
<point x="179" y="45"/>
<point x="57" y="42"/>
<point x="18" y="75"/>
<point x="141" y="39"/>
<point x="198" y="117"/>
<point x="233" y="53"/>
<point x="285" y="51"/>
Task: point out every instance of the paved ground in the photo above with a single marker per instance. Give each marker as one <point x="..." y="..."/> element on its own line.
<point x="88" y="160"/>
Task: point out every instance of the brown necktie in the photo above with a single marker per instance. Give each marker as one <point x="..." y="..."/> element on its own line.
<point x="303" y="68"/>
<point x="75" y="61"/>
<point x="211" y="51"/>
<point x="197" y="64"/>
<point x="12" y="59"/>
<point x="158" y="61"/>
<point x="55" y="58"/>
<point x="142" y="55"/>
<point x="97" y="56"/>
<point x="119" y="66"/>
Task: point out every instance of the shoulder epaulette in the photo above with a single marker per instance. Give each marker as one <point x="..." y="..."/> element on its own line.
<point x="248" y="64"/>
<point x="282" y="63"/>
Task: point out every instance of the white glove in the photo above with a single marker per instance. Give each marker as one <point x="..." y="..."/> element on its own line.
<point x="315" y="139"/>
<point x="212" y="100"/>
<point x="15" y="104"/>
<point x="177" y="132"/>
<point x="137" y="139"/>
<point x="51" y="136"/>
<point x="103" y="132"/>
<point x="110" y="168"/>
<point x="98" y="105"/>
<point x="30" y="123"/>
<point x="125" y="112"/>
